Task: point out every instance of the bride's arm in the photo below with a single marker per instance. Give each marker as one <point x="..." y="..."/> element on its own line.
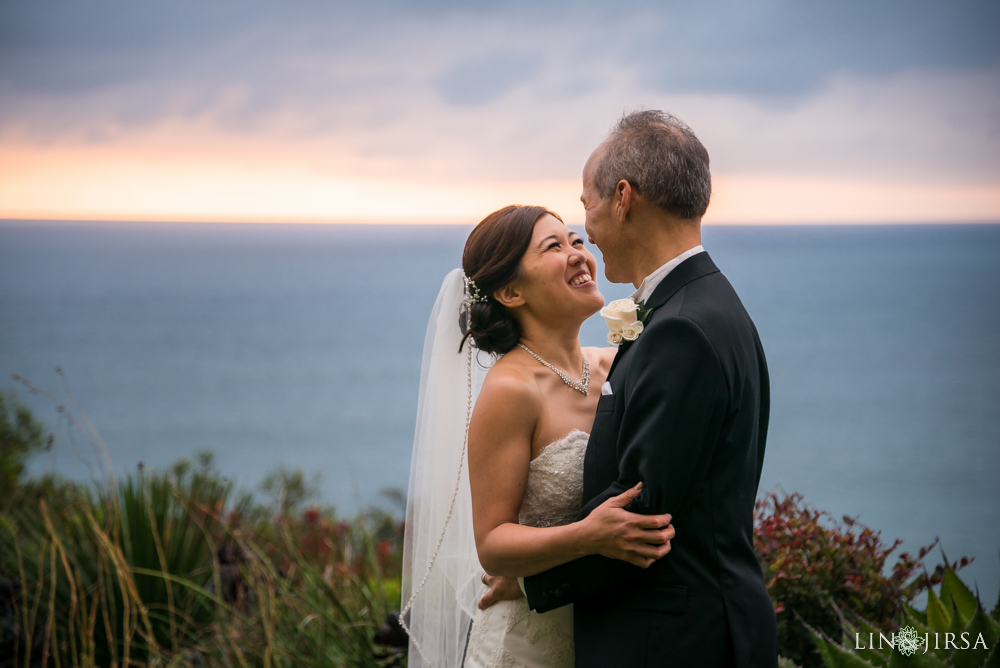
<point x="500" y="437"/>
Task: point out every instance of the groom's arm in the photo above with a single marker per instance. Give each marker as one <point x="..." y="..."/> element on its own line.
<point x="675" y="398"/>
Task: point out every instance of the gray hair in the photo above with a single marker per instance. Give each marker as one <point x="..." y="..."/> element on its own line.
<point x="661" y="158"/>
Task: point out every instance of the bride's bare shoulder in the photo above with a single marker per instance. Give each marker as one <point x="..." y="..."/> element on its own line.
<point x="509" y="388"/>
<point x="508" y="376"/>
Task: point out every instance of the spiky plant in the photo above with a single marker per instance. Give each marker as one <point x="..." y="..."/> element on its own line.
<point x="953" y="631"/>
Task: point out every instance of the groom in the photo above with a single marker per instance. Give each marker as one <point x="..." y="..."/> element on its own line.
<point x="685" y="412"/>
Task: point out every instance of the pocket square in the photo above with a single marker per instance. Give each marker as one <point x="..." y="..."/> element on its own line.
<point x="606" y="389"/>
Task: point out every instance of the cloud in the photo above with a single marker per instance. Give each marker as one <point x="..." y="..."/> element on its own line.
<point x="785" y="49"/>
<point x="467" y="96"/>
<point x="760" y="48"/>
<point x="486" y="77"/>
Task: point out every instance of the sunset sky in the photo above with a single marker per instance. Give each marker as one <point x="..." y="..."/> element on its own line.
<point x="834" y="112"/>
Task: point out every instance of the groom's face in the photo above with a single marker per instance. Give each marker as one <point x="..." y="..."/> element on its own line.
<point x="600" y="224"/>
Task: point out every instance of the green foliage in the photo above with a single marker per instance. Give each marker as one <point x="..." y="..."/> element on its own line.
<point x="83" y="561"/>
<point x="21" y="435"/>
<point x="954" y="631"/>
<point x="320" y="588"/>
<point x="171" y="569"/>
<point x="815" y="566"/>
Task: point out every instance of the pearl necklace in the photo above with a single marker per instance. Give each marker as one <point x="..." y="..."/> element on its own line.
<point x="582" y="385"/>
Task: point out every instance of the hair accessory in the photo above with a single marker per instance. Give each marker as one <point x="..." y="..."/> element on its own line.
<point x="472" y="294"/>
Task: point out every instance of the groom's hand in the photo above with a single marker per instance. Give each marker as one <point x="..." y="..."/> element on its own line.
<point x="619" y="534"/>
<point x="499" y="589"/>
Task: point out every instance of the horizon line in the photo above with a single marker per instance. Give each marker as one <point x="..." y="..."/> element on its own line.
<point x="386" y="222"/>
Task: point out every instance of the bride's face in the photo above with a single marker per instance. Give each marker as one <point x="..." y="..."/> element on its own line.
<point x="558" y="272"/>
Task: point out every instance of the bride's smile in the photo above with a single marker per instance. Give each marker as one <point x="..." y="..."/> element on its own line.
<point x="581" y="279"/>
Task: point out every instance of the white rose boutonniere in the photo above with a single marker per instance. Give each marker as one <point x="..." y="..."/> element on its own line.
<point x="624" y="319"/>
<point x="632" y="332"/>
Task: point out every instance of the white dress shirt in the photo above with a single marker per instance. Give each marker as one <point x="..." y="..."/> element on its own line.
<point x="649" y="283"/>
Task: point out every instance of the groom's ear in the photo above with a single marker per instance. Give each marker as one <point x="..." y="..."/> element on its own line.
<point x="624" y="200"/>
<point x="509" y="295"/>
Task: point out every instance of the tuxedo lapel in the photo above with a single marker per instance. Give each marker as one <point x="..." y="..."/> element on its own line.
<point x="622" y="347"/>
<point x="689" y="270"/>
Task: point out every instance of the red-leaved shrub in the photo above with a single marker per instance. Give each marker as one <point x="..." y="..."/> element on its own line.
<point x="811" y="561"/>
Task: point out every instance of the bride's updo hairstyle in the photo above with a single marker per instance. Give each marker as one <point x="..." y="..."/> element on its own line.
<point x="492" y="259"/>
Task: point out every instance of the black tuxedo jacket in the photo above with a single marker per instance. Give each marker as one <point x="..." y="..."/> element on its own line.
<point x="688" y="418"/>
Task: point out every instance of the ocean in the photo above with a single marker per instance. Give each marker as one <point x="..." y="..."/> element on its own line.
<point x="300" y="346"/>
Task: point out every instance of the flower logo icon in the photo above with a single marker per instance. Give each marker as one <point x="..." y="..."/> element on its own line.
<point x="908" y="641"/>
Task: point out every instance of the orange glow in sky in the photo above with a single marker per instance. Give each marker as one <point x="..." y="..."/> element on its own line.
<point x="89" y="184"/>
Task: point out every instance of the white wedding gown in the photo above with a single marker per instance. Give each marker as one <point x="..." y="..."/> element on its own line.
<point x="507" y="634"/>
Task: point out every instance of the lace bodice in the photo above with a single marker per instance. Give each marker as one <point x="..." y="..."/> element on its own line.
<point x="554" y="492"/>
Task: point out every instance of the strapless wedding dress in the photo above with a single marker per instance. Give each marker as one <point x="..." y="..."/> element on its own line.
<point x="508" y="634"/>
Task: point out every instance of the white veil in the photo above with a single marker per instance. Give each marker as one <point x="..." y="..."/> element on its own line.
<point x="441" y="570"/>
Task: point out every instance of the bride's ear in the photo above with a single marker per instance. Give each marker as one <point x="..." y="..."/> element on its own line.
<point x="509" y="295"/>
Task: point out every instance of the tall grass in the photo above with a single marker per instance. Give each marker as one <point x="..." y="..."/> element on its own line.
<point x="175" y="568"/>
<point x="161" y="570"/>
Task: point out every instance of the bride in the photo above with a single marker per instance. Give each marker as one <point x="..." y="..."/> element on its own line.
<point x="496" y="481"/>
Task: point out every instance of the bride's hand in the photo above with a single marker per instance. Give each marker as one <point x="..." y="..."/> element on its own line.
<point x="499" y="589"/>
<point x="638" y="539"/>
